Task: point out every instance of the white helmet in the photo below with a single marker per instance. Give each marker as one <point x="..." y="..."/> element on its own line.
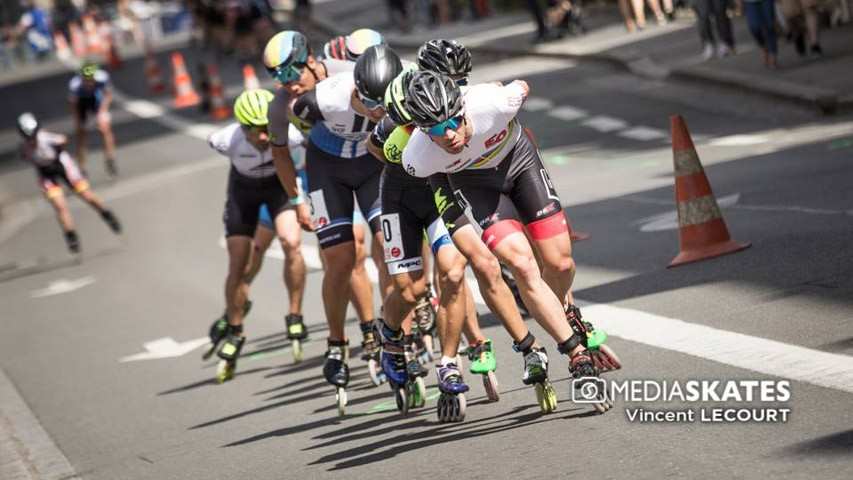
<point x="28" y="125"/>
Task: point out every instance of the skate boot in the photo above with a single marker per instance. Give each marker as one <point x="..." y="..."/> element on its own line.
<point x="415" y="386"/>
<point x="370" y="353"/>
<point x="219" y="329"/>
<point x="603" y="357"/>
<point x="425" y="322"/>
<point x="513" y="287"/>
<point x="296" y="333"/>
<point x="336" y="371"/>
<point x="228" y="353"/>
<point x="394" y="365"/>
<point x="451" y="401"/>
<point x="536" y="373"/>
<point x="483" y="362"/>
<point x="589" y="387"/>
<point x="111" y="220"/>
<point x="73" y="242"/>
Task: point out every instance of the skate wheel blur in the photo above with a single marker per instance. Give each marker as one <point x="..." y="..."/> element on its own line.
<point x="490" y="384"/>
<point x="341" y="399"/>
<point x="296" y="345"/>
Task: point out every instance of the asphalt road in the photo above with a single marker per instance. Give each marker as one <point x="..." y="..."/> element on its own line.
<point x="764" y="313"/>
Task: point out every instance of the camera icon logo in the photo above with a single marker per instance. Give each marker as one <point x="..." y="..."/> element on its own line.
<point x="588" y="390"/>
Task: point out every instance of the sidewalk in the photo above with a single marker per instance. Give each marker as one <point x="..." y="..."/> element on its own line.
<point x="669" y="51"/>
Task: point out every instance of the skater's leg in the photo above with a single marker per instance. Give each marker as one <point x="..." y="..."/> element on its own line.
<point x="339" y="261"/>
<point x="290" y="236"/>
<point x="239" y="249"/>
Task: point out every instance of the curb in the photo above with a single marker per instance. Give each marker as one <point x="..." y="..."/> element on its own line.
<point x="826" y="101"/>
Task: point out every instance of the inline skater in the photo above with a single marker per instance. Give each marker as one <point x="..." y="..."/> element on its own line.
<point x="46" y="152"/>
<point x="496" y="171"/>
<point x="339" y="168"/>
<point x="288" y="59"/>
<point x="89" y="92"/>
<point x="407" y="211"/>
<point x="286" y="228"/>
<point x="252" y="182"/>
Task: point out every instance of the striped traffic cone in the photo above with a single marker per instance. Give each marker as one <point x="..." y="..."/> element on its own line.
<point x="702" y="232"/>
<point x="218" y="108"/>
<point x="250" y="80"/>
<point x="185" y="95"/>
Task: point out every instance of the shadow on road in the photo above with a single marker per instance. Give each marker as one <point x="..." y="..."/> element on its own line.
<point x="837" y="444"/>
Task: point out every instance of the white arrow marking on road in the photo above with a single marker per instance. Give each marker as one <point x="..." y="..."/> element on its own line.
<point x="62" y="286"/>
<point x="739" y="141"/>
<point x="644" y="134"/>
<point x="567" y="113"/>
<point x="165" y="347"/>
<point x="535" y="104"/>
<point x="669" y="220"/>
<point x="605" y="124"/>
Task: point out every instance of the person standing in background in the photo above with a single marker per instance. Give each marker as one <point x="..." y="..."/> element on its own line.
<point x="761" y="18"/>
<point x="714" y="11"/>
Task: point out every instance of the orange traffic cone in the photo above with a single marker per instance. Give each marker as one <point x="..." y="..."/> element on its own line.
<point x="61" y="46"/>
<point x="250" y="80"/>
<point x="702" y="232"/>
<point x="185" y="95"/>
<point x="153" y="75"/>
<point x="78" y="43"/>
<point x="218" y="108"/>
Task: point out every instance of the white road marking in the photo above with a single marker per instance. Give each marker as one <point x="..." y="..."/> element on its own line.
<point x="739" y="140"/>
<point x="567" y="113"/>
<point x="644" y="134"/>
<point x="669" y="220"/>
<point x="485" y="37"/>
<point x="62" y="286"/>
<point x="730" y="202"/>
<point x="605" y="124"/>
<point x="165" y="347"/>
<point x="535" y="104"/>
<point x="738" y="350"/>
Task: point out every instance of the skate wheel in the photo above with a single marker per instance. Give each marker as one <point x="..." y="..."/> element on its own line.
<point x="546" y="396"/>
<point x="611" y="357"/>
<point x="224" y="371"/>
<point x="375" y="372"/>
<point x="402" y="400"/>
<point x="419" y="399"/>
<point x="441" y="409"/>
<point x="461" y="403"/>
<point x="490" y="384"/>
<point x="341" y="399"/>
<point x="296" y="345"/>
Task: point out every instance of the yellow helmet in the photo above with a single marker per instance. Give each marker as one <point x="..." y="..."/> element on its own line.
<point x="252" y="107"/>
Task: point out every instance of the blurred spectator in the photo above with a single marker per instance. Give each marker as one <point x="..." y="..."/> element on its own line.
<point x="64" y="13"/>
<point x="714" y="11"/>
<point x="539" y="17"/>
<point x="399" y="11"/>
<point x="627" y="15"/>
<point x="761" y="18"/>
<point x="802" y="19"/>
<point x="5" y="56"/>
<point x="640" y="12"/>
<point x="34" y="26"/>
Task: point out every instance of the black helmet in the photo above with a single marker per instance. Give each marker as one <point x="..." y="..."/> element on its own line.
<point x="374" y="70"/>
<point x="432" y="98"/>
<point x="445" y="56"/>
<point x="28" y="126"/>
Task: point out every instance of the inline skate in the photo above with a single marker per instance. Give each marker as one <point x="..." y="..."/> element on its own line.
<point x="409" y="390"/>
<point x="219" y="328"/>
<point x="536" y="373"/>
<point x="296" y="333"/>
<point x="603" y="357"/>
<point x="370" y="353"/>
<point x="228" y="353"/>
<point x="336" y="371"/>
<point x="483" y="362"/>
<point x="451" y="401"/>
<point x="589" y="387"/>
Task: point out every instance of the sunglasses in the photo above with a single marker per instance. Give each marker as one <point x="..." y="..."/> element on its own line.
<point x="289" y="74"/>
<point x="461" y="82"/>
<point x="370" y="103"/>
<point x="449" y="124"/>
<point x="257" y="128"/>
